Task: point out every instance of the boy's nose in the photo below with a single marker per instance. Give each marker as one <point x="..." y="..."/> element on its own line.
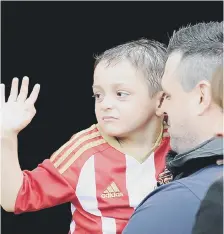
<point x="107" y="103"/>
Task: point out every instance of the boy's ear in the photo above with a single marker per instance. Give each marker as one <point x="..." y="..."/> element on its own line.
<point x="159" y="100"/>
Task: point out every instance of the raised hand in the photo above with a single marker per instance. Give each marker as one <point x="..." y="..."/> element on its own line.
<point x="19" y="110"/>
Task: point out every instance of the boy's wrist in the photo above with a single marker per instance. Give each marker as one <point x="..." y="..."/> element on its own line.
<point x="8" y="134"/>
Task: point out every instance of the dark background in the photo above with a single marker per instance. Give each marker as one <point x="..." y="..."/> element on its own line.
<point x="53" y="43"/>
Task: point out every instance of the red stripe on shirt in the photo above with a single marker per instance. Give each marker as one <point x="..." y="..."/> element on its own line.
<point x="113" y="170"/>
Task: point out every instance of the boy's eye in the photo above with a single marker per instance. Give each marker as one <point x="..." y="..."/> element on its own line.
<point x="122" y="94"/>
<point x="97" y="96"/>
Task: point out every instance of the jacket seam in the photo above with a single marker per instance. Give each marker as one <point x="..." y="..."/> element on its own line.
<point x="188" y="189"/>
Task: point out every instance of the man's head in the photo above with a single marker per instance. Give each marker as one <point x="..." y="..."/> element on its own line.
<point x="194" y="53"/>
<point x="127" y="85"/>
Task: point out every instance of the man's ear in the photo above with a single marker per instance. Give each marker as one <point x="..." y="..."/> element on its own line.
<point x="159" y="101"/>
<point x="203" y="90"/>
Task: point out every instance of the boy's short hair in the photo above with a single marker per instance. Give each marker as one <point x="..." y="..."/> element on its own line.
<point x="217" y="86"/>
<point x="148" y="56"/>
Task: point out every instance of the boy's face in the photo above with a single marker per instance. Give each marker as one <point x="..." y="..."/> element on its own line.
<point x="123" y="104"/>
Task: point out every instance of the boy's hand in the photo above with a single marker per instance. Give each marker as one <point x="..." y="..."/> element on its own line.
<point x="19" y="110"/>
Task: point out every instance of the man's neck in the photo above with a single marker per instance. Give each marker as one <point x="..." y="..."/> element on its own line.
<point x="207" y="127"/>
<point x="212" y="126"/>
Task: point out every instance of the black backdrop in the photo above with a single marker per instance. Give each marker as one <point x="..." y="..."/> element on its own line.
<point x="53" y="43"/>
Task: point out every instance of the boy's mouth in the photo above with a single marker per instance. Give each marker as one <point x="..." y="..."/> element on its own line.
<point x="108" y="118"/>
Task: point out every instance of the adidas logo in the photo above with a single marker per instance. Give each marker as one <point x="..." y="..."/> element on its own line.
<point x="112" y="191"/>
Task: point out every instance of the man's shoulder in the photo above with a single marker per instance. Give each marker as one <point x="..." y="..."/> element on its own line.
<point x="199" y="182"/>
<point x="171" y="191"/>
<point x="194" y="186"/>
<point x="172" y="203"/>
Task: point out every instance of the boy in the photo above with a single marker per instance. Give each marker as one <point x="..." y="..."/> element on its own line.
<point x="106" y="170"/>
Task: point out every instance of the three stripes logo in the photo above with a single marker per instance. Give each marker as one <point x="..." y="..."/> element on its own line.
<point x="112" y="191"/>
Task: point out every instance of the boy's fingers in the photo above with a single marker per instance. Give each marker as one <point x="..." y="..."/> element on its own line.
<point x="24" y="90"/>
<point x="14" y="90"/>
<point x="34" y="94"/>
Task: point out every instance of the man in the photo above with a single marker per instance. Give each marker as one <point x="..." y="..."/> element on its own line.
<point x="194" y="53"/>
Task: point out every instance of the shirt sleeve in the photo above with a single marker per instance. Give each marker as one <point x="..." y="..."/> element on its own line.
<point x="171" y="210"/>
<point x="55" y="180"/>
<point x="43" y="187"/>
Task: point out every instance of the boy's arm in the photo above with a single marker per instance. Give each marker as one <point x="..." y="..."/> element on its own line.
<point x="42" y="188"/>
<point x="16" y="113"/>
<point x="11" y="174"/>
<point x="25" y="190"/>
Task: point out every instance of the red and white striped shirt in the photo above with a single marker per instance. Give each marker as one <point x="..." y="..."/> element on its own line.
<point x="103" y="184"/>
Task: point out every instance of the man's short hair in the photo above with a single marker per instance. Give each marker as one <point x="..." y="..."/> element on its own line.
<point x="147" y="56"/>
<point x="201" y="46"/>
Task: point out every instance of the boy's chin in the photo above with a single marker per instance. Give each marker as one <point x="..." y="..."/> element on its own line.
<point x="113" y="131"/>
